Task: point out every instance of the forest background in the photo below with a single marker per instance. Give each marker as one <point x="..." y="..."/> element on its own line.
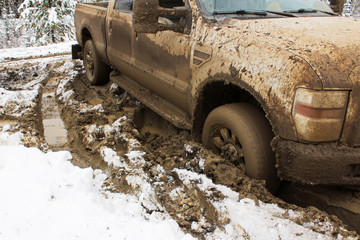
<point x="25" y="23"/>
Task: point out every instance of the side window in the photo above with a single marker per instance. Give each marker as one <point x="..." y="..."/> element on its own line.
<point x="124" y="5"/>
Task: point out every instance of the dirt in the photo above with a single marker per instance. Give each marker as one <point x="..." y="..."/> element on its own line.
<point x="101" y="118"/>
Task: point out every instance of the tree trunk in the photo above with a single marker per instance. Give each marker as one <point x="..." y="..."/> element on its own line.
<point x="53" y="36"/>
<point x="337" y="5"/>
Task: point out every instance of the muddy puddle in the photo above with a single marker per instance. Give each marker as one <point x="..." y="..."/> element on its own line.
<point x="55" y="132"/>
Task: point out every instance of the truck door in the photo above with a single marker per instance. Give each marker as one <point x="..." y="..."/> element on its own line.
<point x="164" y="58"/>
<point x="120" y="34"/>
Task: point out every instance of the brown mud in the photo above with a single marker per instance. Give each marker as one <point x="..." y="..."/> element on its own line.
<point x="101" y="118"/>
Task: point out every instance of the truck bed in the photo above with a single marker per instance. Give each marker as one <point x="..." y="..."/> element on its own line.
<point x="94" y="15"/>
<point x="97" y="5"/>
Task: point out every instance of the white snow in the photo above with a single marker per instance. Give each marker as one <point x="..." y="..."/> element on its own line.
<point x="188" y="148"/>
<point x="11" y="139"/>
<point x="111" y="157"/>
<point x="27" y="52"/>
<point x="44" y="196"/>
<point x="136" y="157"/>
<point x="263" y="221"/>
<point x="18" y="102"/>
<point x="67" y="95"/>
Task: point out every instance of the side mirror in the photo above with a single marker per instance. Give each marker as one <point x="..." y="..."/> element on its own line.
<point x="149" y="17"/>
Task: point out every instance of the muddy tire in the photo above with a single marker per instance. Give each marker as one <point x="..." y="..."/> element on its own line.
<point x="241" y="133"/>
<point x="97" y="72"/>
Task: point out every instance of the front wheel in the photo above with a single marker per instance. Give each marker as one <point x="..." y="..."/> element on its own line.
<point x="97" y="72"/>
<point x="241" y="134"/>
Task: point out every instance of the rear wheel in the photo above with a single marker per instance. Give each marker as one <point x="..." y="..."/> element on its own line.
<point x="97" y="72"/>
<point x="241" y="134"/>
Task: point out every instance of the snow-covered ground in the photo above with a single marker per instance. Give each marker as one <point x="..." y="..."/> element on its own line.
<point x="33" y="52"/>
<point x="44" y="196"/>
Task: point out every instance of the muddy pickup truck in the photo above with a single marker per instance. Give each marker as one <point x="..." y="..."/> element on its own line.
<point x="272" y="85"/>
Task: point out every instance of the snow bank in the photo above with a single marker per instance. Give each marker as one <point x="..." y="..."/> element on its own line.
<point x="16" y="103"/>
<point x="43" y="196"/>
<point x="32" y="52"/>
<point x="8" y="138"/>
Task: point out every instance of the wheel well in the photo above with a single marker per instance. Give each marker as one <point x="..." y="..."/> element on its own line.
<point x="85" y="35"/>
<point x="214" y="95"/>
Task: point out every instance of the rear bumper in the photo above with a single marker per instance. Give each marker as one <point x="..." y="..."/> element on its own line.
<point x="328" y="163"/>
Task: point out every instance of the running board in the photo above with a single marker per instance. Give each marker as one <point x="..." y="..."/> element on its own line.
<point x="170" y="112"/>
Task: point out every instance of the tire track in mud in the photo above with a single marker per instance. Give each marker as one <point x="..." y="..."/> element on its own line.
<point x="146" y="156"/>
<point x="55" y="133"/>
<point x="109" y="131"/>
<point x="28" y="76"/>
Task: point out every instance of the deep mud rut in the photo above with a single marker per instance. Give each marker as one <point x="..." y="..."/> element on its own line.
<point x="103" y="122"/>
